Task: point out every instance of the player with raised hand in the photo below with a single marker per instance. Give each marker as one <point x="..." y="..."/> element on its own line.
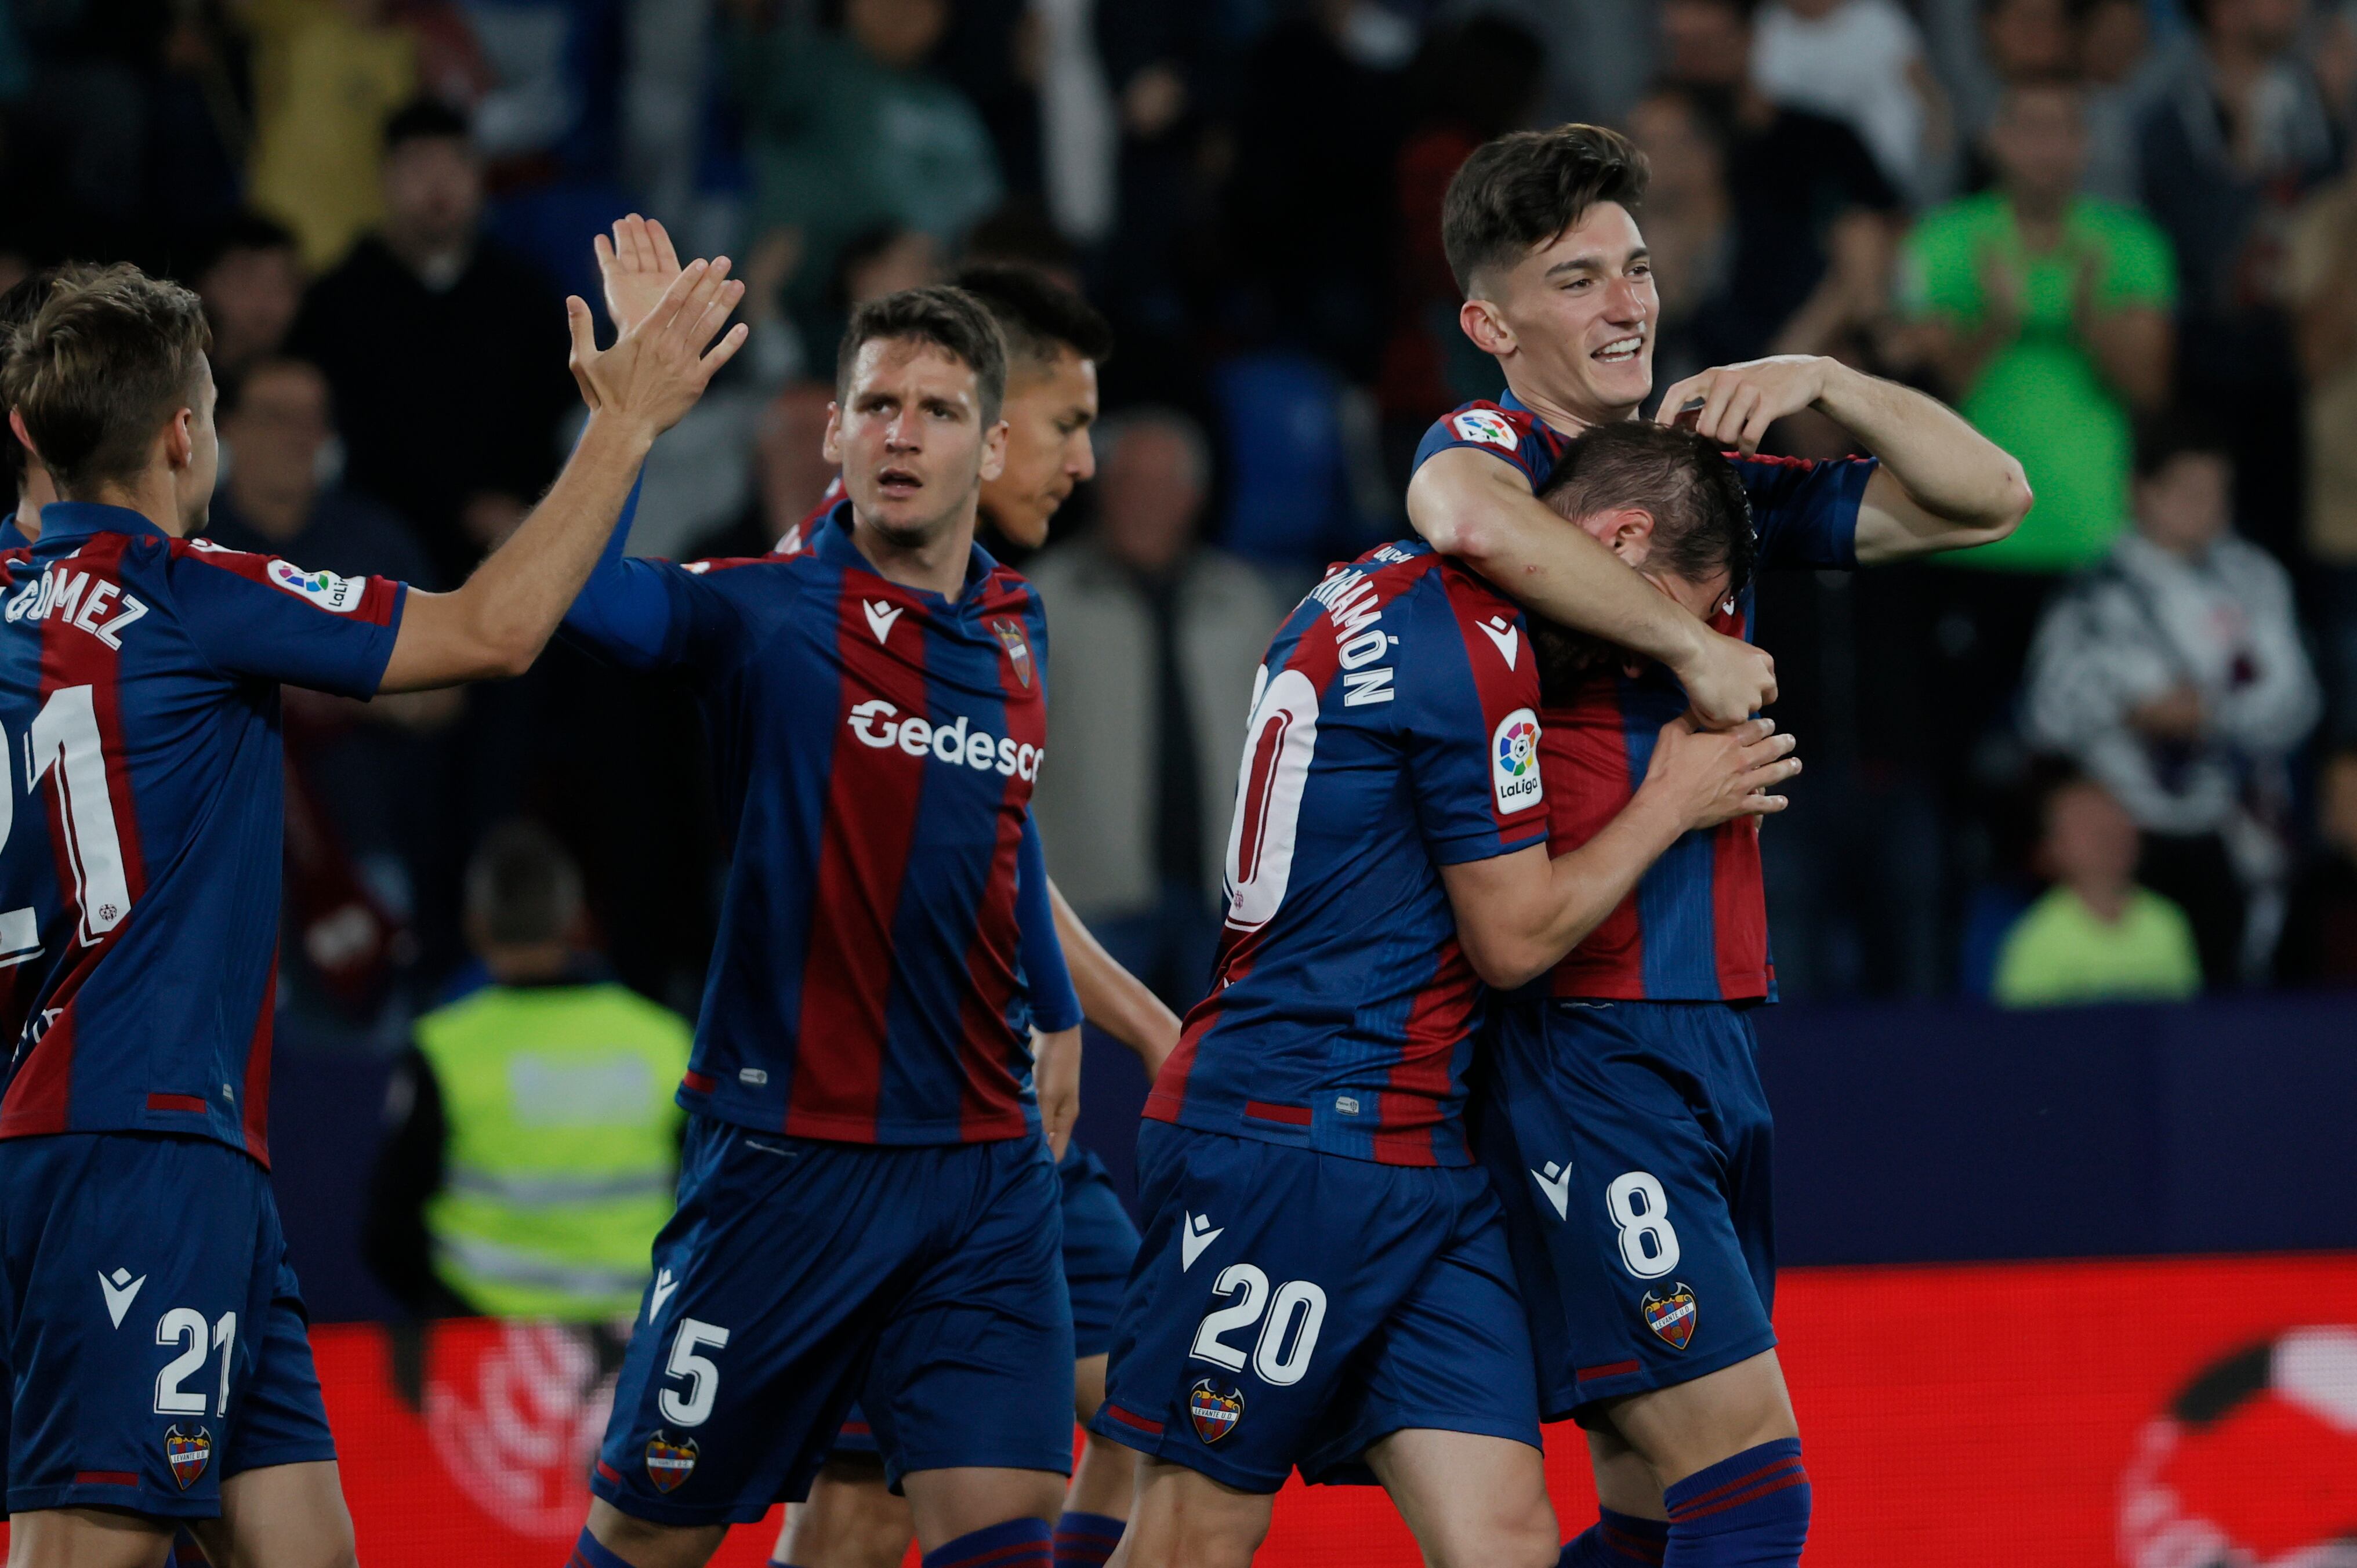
<point x="1639" y="1215"/>
<point x="1055" y="343"/>
<point x="1355" y="1316"/>
<point x="867" y="1206"/>
<point x="151" y="1330"/>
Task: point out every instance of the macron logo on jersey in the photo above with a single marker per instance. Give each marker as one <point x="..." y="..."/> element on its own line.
<point x="121" y="1292"/>
<point x="1514" y="762"/>
<point x="881" y="614"/>
<point x="1487" y="426"/>
<point x="338" y="596"/>
<point x="1502" y="633"/>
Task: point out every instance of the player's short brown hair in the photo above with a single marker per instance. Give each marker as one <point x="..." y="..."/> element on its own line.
<point x="1702" y="520"/>
<point x="106" y="359"/>
<point x="1526" y="187"/>
<point x="949" y="319"/>
<point x="1039" y="315"/>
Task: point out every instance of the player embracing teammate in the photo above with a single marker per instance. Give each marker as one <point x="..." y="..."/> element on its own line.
<point x="1622" y="1116"/>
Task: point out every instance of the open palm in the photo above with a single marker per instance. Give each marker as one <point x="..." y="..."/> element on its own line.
<point x="637" y="266"/>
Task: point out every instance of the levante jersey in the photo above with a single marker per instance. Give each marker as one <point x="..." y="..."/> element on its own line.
<point x="875" y="748"/>
<point x="1393" y="730"/>
<point x="1696" y="927"/>
<point x="140" y="876"/>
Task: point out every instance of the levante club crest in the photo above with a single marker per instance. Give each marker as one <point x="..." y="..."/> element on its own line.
<point x="188" y="1452"/>
<point x="1671" y="1316"/>
<point x="670" y="1462"/>
<point x="1018" y="650"/>
<point x="1215" y="1413"/>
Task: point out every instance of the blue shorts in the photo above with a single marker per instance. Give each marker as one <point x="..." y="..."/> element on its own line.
<point x="800" y="1274"/>
<point x="151" y="1330"/>
<point x="1100" y="1244"/>
<point x="1339" y="1301"/>
<point x="1630" y="1141"/>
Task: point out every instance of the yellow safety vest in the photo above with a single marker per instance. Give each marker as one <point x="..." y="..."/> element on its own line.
<point x="561" y="1161"/>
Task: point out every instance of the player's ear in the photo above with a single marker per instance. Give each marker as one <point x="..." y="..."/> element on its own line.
<point x="994" y="451"/>
<point x="1628" y="531"/>
<point x="831" y="448"/>
<point x="17" y="425"/>
<point x="180" y="439"/>
<point x="1480" y="321"/>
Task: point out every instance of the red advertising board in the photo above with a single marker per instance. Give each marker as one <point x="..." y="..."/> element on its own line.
<point x="2141" y="1414"/>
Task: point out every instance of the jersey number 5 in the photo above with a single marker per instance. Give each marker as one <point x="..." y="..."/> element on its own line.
<point x="1278" y="744"/>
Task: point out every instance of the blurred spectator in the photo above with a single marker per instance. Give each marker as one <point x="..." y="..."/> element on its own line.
<point x="2046" y="319"/>
<point x="445" y="355"/>
<point x="2095" y="936"/>
<point x="1155" y="642"/>
<point x="252" y="285"/>
<point x="1166" y="77"/>
<point x="884" y="260"/>
<point x="2321" y="272"/>
<point x="531" y="1143"/>
<point x="2319" y="936"/>
<point x="1690" y="227"/>
<point x="847" y="132"/>
<point x="362" y="822"/>
<point x="2124" y="74"/>
<point x="2175" y="674"/>
<point x="1801" y="185"/>
<point x="327" y="75"/>
<point x="791" y="473"/>
<point x="1469" y="83"/>
<point x="1309" y="231"/>
<point x="2240" y="130"/>
<point x="1861" y="62"/>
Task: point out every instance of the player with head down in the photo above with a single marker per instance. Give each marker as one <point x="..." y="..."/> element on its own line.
<point x="151" y="1333"/>
<point x="1324" y="1284"/>
<point x="1623" y="1118"/>
<point x="1055" y="342"/>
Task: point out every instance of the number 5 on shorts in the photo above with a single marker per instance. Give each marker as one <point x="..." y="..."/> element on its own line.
<point x="703" y="1377"/>
<point x="1642" y="1210"/>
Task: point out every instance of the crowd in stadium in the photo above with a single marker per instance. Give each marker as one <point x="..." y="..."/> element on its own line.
<point x="2119" y="235"/>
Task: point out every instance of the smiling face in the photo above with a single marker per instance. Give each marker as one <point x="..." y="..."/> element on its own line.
<point x="909" y="439"/>
<point x="1050" y="408"/>
<point x="1572" y="322"/>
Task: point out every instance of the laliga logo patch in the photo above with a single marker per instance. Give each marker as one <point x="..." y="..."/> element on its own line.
<point x="1215" y="1414"/>
<point x="188" y="1452"/>
<point x="1671" y="1318"/>
<point x="325" y="589"/>
<point x="1514" y="762"/>
<point x="1486" y="425"/>
<point x="669" y="1463"/>
<point x="1018" y="652"/>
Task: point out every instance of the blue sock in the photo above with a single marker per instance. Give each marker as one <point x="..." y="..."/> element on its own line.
<point x="1751" y="1511"/>
<point x="1616" y="1540"/>
<point x="1017" y="1544"/>
<point x="589" y="1552"/>
<point x="1086" y="1539"/>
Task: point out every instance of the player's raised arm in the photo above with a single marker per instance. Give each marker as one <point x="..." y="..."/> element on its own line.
<point x="1942" y="486"/>
<point x="498" y="623"/>
<point x="1519" y="914"/>
<point x="1480" y="510"/>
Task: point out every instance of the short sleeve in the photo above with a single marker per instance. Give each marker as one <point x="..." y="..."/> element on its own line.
<point x="1805" y="512"/>
<point x="266" y="617"/>
<point x="2141" y="269"/>
<point x="1507" y="435"/>
<point x="1469" y="720"/>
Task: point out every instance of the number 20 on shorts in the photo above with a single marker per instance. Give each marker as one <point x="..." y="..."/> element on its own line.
<point x="1288" y="1336"/>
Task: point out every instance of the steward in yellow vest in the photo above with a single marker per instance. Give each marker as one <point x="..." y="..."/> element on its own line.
<point x="535" y="1150"/>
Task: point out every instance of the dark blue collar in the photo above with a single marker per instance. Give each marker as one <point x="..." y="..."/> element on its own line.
<point x="833" y="546"/>
<point x="71" y="522"/>
<point x="1507" y="400"/>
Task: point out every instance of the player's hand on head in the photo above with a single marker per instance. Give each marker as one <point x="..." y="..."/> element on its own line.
<point x="656" y="371"/>
<point x="1726" y="679"/>
<point x="1712" y="776"/>
<point x="635" y="267"/>
<point x="1735" y="404"/>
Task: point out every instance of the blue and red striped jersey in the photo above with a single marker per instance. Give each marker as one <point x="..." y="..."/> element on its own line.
<point x="1393" y="731"/>
<point x="140" y="876"/>
<point x="1696" y="929"/>
<point x="875" y="748"/>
